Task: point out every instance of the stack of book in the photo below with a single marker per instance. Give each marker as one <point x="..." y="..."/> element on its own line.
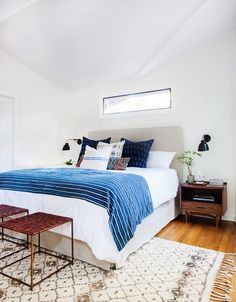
<point x="206" y="198"/>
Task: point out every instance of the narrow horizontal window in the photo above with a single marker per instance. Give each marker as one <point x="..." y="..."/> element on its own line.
<point x="141" y="101"/>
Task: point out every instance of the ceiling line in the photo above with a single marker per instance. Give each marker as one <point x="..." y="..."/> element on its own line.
<point x="15" y="11"/>
<point x="145" y="68"/>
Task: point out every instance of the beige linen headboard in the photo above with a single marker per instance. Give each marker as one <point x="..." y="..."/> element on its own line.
<point x="165" y="139"/>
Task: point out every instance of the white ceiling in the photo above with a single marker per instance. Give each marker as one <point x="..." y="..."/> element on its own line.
<point x="11" y="7"/>
<point x="78" y="44"/>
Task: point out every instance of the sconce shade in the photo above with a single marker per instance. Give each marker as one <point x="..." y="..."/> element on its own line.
<point x="203" y="146"/>
<point x="66" y="147"/>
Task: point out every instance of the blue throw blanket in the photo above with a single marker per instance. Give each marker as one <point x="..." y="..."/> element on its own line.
<point x="126" y="197"/>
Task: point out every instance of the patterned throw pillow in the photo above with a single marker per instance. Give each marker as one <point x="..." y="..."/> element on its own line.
<point x="117" y="148"/>
<point x="118" y="163"/>
<point x="95" y="159"/>
<point x="91" y="143"/>
<point x="137" y="151"/>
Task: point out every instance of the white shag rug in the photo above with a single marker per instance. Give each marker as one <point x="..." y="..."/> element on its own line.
<point x="160" y="271"/>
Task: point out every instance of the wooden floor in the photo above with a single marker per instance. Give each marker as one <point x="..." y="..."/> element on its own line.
<point x="202" y="232"/>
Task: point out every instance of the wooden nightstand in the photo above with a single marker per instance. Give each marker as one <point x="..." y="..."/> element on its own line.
<point x="208" y="200"/>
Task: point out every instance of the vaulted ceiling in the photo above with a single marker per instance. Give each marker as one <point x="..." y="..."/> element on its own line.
<point x="82" y="43"/>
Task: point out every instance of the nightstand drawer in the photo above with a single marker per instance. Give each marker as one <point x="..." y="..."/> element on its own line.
<point x="201" y="207"/>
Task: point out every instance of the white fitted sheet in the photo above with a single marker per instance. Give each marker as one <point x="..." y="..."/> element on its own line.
<point x="91" y="221"/>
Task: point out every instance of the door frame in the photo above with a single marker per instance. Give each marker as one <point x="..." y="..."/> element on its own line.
<point x="12" y="100"/>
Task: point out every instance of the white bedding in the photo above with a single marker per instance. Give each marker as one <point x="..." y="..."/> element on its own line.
<point x="163" y="183"/>
<point x="91" y="221"/>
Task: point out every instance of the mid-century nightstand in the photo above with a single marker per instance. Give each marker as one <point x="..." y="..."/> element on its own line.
<point x="208" y="200"/>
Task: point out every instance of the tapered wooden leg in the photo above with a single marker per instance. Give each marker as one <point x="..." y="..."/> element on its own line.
<point x="217" y="220"/>
<point x="186" y="216"/>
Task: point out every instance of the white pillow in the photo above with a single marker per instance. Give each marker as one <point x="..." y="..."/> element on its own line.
<point x="96" y="159"/>
<point x="117" y="148"/>
<point x="160" y="159"/>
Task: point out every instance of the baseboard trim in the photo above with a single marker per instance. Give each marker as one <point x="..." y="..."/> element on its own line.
<point x="229" y="218"/>
<point x="226" y="218"/>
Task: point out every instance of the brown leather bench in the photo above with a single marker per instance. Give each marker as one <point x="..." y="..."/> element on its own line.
<point x="7" y="211"/>
<point x="35" y="224"/>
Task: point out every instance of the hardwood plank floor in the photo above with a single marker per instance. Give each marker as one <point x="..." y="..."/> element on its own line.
<point x="203" y="233"/>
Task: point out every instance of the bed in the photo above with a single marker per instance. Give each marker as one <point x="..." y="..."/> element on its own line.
<point x="94" y="242"/>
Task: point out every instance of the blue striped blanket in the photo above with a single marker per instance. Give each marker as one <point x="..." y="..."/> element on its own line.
<point x="126" y="197"/>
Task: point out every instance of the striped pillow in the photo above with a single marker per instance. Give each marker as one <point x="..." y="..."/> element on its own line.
<point x="96" y="159"/>
<point x="117" y="148"/>
<point x="91" y="143"/>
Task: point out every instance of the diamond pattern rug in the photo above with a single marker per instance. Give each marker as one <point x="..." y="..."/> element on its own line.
<point x="160" y="271"/>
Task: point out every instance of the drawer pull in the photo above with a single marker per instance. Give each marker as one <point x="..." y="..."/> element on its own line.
<point x="200" y="207"/>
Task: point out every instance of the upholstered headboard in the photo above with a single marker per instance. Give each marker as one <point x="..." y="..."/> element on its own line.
<point x="165" y="139"/>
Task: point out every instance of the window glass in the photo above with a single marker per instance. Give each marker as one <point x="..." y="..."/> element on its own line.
<point x="142" y="101"/>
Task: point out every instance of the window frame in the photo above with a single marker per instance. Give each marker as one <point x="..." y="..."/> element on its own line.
<point x="124" y="113"/>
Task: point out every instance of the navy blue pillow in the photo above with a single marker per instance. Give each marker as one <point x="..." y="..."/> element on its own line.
<point x="91" y="143"/>
<point x="137" y="151"/>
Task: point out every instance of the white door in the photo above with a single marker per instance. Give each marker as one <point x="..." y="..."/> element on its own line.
<point x="6" y="133"/>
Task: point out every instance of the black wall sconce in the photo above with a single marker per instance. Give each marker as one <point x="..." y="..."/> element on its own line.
<point x="66" y="147"/>
<point x="203" y="146"/>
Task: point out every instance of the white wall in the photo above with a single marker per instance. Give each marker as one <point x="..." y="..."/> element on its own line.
<point x="203" y="85"/>
<point x="39" y="109"/>
<point x="6" y="133"/>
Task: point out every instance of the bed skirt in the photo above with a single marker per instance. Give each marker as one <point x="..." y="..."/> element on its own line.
<point x="144" y="232"/>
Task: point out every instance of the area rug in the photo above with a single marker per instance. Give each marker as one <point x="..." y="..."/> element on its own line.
<point x="160" y="271"/>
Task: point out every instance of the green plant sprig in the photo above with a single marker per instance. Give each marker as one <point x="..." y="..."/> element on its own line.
<point x="187" y="159"/>
<point x="69" y="162"/>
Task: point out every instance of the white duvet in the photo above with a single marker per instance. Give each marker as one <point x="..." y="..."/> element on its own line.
<point x="91" y="221"/>
<point x="163" y="183"/>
